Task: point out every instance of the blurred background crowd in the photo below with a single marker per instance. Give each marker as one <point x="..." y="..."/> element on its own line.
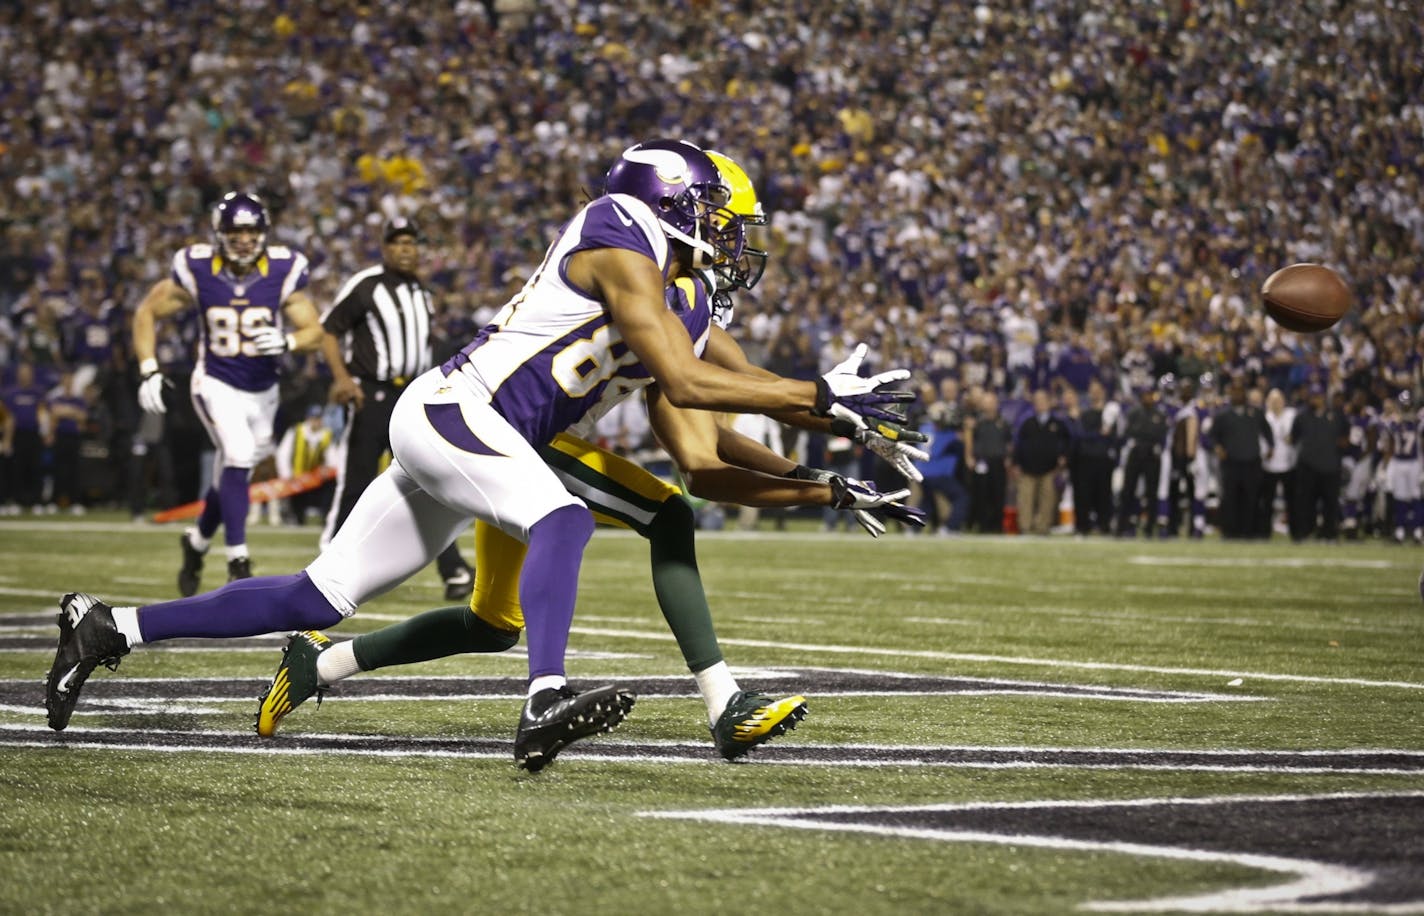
<point x="1006" y="198"/>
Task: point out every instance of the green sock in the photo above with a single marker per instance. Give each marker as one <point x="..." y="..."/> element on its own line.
<point x="678" y="585"/>
<point x="433" y="634"/>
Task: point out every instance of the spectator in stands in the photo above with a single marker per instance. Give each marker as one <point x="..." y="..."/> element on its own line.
<point x="1127" y="216"/>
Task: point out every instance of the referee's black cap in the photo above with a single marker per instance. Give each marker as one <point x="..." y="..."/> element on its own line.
<point x="401" y="225"/>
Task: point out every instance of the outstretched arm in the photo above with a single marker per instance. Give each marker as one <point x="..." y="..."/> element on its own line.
<point x="691" y="437"/>
<point x="633" y="290"/>
<point x="891" y="441"/>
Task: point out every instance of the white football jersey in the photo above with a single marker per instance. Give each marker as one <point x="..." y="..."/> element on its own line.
<point x="552" y="356"/>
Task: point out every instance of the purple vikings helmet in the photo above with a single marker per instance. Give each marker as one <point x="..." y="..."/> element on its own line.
<point x="686" y="191"/>
<point x="235" y="212"/>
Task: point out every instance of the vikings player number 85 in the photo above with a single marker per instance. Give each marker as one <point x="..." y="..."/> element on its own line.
<point x="229" y="329"/>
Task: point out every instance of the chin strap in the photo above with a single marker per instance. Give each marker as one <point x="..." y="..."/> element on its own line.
<point x="701" y="258"/>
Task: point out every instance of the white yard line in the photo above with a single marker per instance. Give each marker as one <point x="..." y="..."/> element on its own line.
<point x="1282" y="562"/>
<point x="1013" y="660"/>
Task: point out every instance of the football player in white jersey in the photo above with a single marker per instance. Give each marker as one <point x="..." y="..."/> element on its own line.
<point x="1187" y="458"/>
<point x="1361" y="452"/>
<point x="591" y="324"/>
<point x="246" y="292"/>
<point x="1399" y="440"/>
<point x="622" y="494"/>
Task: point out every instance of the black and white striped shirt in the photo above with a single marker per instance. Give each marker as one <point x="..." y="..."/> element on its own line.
<point x="383" y="319"/>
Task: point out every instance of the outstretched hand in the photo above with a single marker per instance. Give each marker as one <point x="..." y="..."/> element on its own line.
<point x="888" y="439"/>
<point x="866" y="397"/>
<point x="871" y="507"/>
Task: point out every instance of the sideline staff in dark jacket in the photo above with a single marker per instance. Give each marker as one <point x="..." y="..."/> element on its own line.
<point x="1238" y="430"/>
<point x="986" y="449"/>
<point x="1040" y="449"/>
<point x="1319" y="434"/>
<point x="1090" y="465"/>
<point x="1146" y="435"/>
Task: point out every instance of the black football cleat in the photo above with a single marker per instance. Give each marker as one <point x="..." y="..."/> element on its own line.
<point x="460" y="585"/>
<point x="239" y="568"/>
<point x="556" y="717"/>
<point x="191" y="572"/>
<point x="87" y="638"/>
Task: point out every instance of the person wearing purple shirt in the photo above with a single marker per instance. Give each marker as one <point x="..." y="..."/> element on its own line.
<point x="1075" y="365"/>
<point x="242" y="289"/>
<point x="91" y="333"/>
<point x="1358" y="460"/>
<point x="26" y="402"/>
<point x="1399" y="436"/>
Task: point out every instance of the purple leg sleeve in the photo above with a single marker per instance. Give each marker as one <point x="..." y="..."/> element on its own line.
<point x="232" y="490"/>
<point x="247" y="607"/>
<point x="211" y="517"/>
<point x="549" y="584"/>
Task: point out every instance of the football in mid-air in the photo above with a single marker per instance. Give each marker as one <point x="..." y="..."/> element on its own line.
<point x="1305" y="297"/>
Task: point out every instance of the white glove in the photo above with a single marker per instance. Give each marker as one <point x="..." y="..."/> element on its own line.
<point x="270" y="341"/>
<point x="819" y="475"/>
<point x="150" y="392"/>
<point x="890" y="441"/>
<point x="869" y="504"/>
<point x="842" y="385"/>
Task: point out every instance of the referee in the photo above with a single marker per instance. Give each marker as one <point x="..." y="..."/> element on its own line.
<point x="377" y="340"/>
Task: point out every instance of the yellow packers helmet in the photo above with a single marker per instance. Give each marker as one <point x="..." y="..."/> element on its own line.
<point x="743" y="271"/>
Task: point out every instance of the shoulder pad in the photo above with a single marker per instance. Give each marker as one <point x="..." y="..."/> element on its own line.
<point x="279" y="253"/>
<point x="200" y="251"/>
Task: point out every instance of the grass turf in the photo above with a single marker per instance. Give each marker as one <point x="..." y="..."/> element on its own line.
<point x="1327" y="637"/>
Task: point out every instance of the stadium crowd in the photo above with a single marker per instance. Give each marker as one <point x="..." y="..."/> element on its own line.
<point x="1034" y="196"/>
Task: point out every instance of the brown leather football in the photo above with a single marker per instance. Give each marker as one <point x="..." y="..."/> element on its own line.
<point x="1305" y="297"/>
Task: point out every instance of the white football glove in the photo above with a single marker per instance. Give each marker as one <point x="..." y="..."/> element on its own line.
<point x="843" y="385"/>
<point x="270" y="341"/>
<point x="150" y="392"/>
<point x="890" y="441"/>
<point x="869" y="505"/>
<point x="819" y="475"/>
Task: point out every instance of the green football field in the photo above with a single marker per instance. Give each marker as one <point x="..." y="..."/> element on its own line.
<point x="996" y="726"/>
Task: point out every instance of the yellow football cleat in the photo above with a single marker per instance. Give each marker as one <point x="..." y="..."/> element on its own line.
<point x="295" y="681"/>
<point x="752" y="718"/>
